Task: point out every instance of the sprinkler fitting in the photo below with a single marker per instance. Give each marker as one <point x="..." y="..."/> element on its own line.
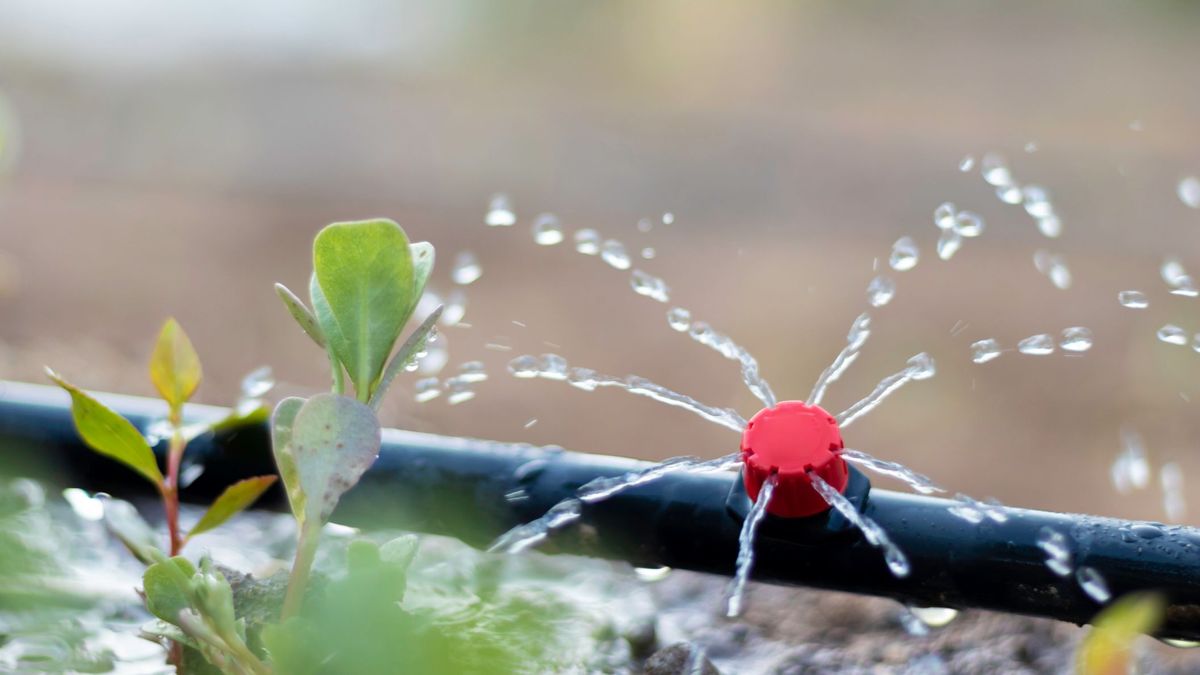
<point x="791" y="440"/>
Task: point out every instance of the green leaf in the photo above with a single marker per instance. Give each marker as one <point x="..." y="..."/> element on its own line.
<point x="167" y="586"/>
<point x="415" y="342"/>
<point x="281" y="439"/>
<point x="302" y="315"/>
<point x="174" y="366"/>
<point x="1108" y="647"/>
<point x="422" y="260"/>
<point x="334" y="440"/>
<point x="108" y="433"/>
<point x="235" y="498"/>
<point x="364" y="276"/>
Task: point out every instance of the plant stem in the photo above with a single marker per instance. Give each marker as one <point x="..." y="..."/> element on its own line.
<point x="170" y="491"/>
<point x="339" y="381"/>
<point x="306" y="550"/>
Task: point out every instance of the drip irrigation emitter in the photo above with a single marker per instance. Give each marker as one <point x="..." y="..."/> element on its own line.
<point x="476" y="490"/>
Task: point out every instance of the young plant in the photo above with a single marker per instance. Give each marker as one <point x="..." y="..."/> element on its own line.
<point x="366" y="281"/>
<point x="176" y="373"/>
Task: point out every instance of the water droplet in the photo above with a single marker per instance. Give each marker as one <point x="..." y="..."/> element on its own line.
<point x="1031" y="147"/>
<point x="525" y="366"/>
<point x="1133" y="299"/>
<point x="649" y="286"/>
<point x="1172" y="335"/>
<point x="613" y="253"/>
<point x="966" y="163"/>
<point x="1172" y="271"/>
<point x="985" y="350"/>
<point x="1050" y="226"/>
<point x="1180" y="644"/>
<point x="679" y="318"/>
<point x="651" y="574"/>
<point x="466" y="268"/>
<point x="994" y="170"/>
<point x="435" y="358"/>
<point x="587" y="241"/>
<point x="552" y="367"/>
<point x="1037" y="201"/>
<point x="1057" y="549"/>
<point x="532" y="421"/>
<point x="547" y="231"/>
<point x="943" y="216"/>
<point x="1131" y="469"/>
<point x="454" y="308"/>
<point x="948" y="244"/>
<point x="1076" y="339"/>
<point x="1186" y="287"/>
<point x="880" y="291"/>
<point x="1092" y="583"/>
<point x="583" y="378"/>
<point x="668" y="218"/>
<point x="1053" y="266"/>
<point x="1171" y="481"/>
<point x="472" y="371"/>
<point x="1189" y="191"/>
<point x="426" y="389"/>
<point x="84" y="505"/>
<point x="904" y="254"/>
<point x="968" y="224"/>
<point x="1009" y="194"/>
<point x="644" y="225"/>
<point x="458" y="391"/>
<point x="921" y="367"/>
<point x="934" y="617"/>
<point x="500" y="213"/>
<point x="1146" y="531"/>
<point x="258" y="382"/>
<point x="1037" y="345"/>
<point x="649" y="253"/>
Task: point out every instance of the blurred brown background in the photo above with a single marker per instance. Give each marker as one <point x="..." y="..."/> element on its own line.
<point x="177" y="159"/>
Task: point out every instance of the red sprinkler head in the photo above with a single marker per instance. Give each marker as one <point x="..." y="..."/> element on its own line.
<point x="792" y="439"/>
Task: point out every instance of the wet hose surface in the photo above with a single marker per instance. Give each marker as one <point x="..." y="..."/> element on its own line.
<point x="477" y="490"/>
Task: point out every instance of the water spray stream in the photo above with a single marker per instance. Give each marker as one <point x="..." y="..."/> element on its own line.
<point x="725" y="346"/>
<point x="896" y="561"/>
<point x="745" y="559"/>
<point x="554" y="367"/>
<point x="860" y="330"/>
<point x="919" y="482"/>
<point x="920" y="367"/>
<point x="569" y="510"/>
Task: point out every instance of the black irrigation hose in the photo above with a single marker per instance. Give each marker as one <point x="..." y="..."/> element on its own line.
<point x="476" y="490"/>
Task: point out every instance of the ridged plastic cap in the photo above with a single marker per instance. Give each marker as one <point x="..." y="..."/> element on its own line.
<point x="792" y="439"/>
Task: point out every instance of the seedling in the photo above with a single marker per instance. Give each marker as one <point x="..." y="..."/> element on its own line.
<point x="366" y="281"/>
<point x="176" y="373"/>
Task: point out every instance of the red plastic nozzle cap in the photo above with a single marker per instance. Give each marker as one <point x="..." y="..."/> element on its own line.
<point x="792" y="439"/>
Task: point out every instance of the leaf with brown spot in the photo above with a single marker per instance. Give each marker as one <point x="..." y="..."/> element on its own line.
<point x="334" y="440"/>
